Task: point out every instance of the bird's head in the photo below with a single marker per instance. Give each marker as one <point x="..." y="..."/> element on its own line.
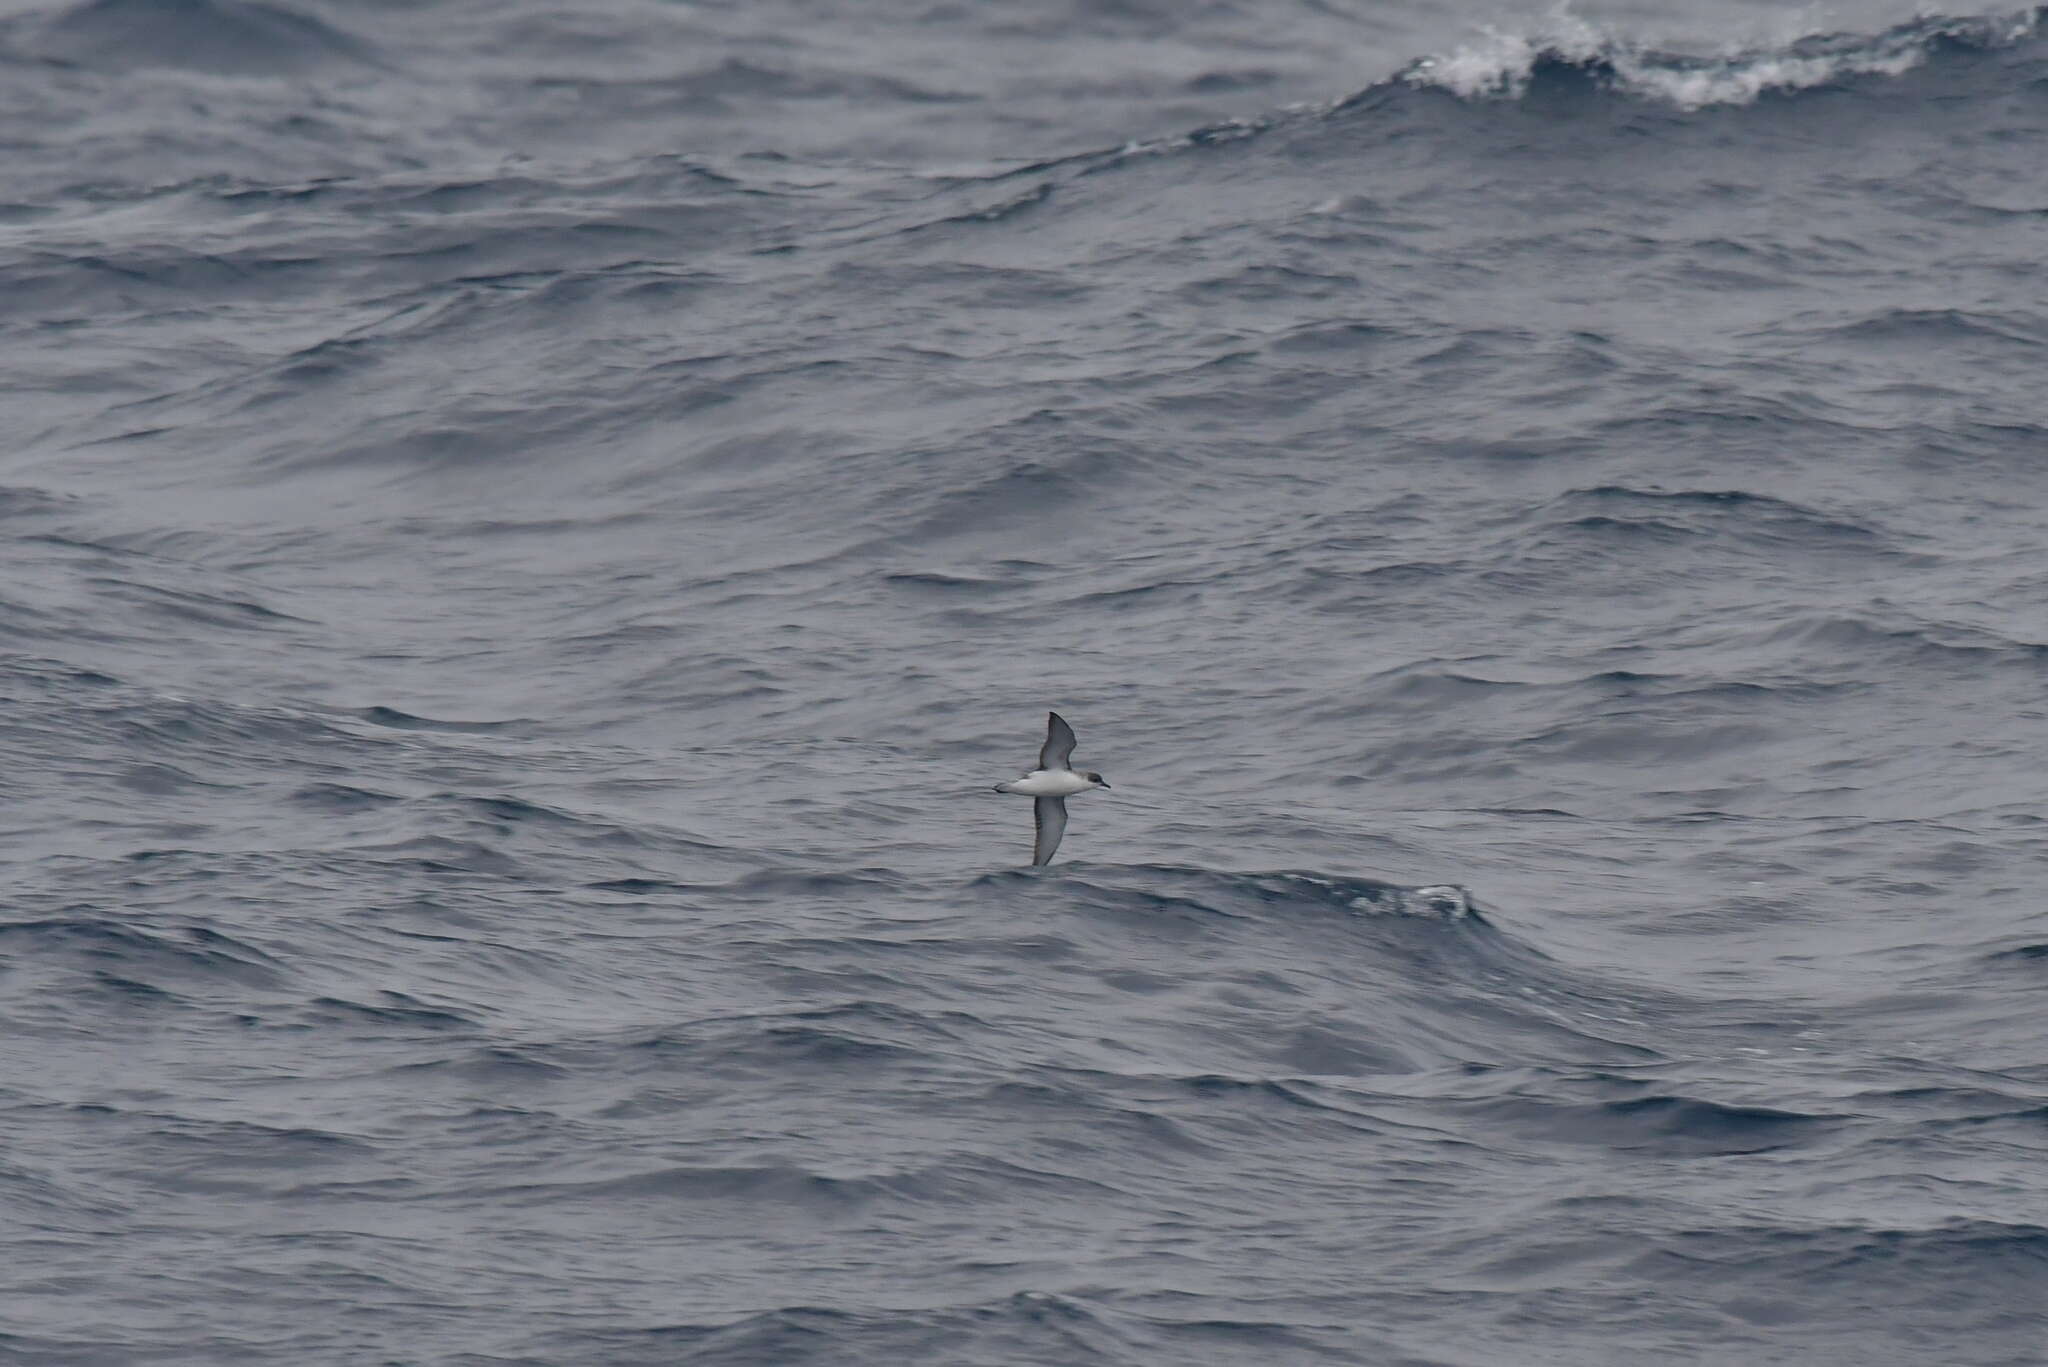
<point x="1096" y="779"/>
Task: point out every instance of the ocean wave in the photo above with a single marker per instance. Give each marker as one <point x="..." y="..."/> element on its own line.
<point x="196" y="956"/>
<point x="1673" y="1126"/>
<point x="1505" y="64"/>
<point x="223" y="36"/>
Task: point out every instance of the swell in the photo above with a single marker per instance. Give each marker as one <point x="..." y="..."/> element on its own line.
<point x="1566" y="66"/>
<point x="1514" y="65"/>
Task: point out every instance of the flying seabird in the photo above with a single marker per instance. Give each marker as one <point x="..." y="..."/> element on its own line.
<point x="1051" y="784"/>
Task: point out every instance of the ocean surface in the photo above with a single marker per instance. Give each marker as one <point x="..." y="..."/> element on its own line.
<point x="530" y="531"/>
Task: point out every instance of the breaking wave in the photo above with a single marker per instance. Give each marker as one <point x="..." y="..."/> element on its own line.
<point x="1503" y="63"/>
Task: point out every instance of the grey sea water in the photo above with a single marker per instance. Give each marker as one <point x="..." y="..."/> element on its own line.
<point x="527" y="533"/>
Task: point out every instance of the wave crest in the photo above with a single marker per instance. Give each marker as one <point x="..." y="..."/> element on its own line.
<point x="1502" y="65"/>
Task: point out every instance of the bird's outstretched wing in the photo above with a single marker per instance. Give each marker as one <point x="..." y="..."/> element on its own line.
<point x="1050" y="815"/>
<point x="1059" y="743"/>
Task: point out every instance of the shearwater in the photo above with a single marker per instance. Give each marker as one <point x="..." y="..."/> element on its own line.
<point x="1051" y="784"/>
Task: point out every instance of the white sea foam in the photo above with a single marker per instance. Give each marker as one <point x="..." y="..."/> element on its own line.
<point x="1446" y="902"/>
<point x="1499" y="64"/>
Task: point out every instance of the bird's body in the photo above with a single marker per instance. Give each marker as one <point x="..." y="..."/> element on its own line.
<point x="1051" y="784"/>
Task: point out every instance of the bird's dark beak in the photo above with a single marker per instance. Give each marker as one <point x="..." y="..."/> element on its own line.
<point x="1103" y="781"/>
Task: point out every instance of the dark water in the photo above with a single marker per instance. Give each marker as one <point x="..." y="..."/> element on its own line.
<point x="530" y="531"/>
